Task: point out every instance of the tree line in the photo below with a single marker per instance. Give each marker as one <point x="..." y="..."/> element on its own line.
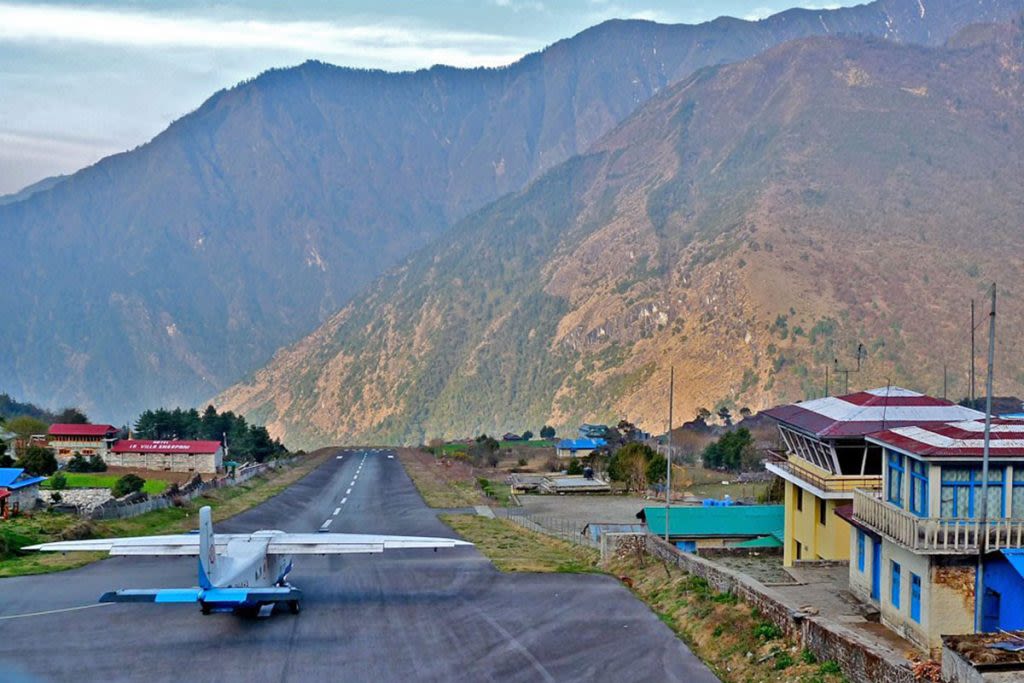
<point x="245" y="442"/>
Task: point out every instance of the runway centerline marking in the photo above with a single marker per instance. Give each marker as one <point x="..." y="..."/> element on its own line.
<point x="54" y="611"/>
<point x="336" y="511"/>
<point x="326" y="524"/>
<point x="349" y="492"/>
<point x="344" y="500"/>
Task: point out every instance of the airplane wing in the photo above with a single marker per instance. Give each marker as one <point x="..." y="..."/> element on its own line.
<point x="176" y="544"/>
<point x="280" y="544"/>
<point x="340" y="544"/>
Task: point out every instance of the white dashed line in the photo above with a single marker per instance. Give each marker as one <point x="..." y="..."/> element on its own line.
<point x="344" y="500"/>
<point x="339" y="457"/>
<point x="336" y="511"/>
<point x="349" y="492"/>
<point x="326" y="524"/>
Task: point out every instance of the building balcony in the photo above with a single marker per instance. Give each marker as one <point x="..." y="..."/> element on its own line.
<point x="821" y="482"/>
<point x="934" y="535"/>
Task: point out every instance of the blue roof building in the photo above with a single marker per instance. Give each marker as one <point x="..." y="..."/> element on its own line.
<point x="18" y="491"/>
<point x="578" y="448"/>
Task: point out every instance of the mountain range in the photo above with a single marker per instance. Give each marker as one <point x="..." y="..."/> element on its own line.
<point x="748" y="225"/>
<point x="164" y="274"/>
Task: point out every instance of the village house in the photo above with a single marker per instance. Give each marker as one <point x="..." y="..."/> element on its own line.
<point x="18" y="491"/>
<point x="915" y="552"/>
<point x="578" y="448"/>
<point x="826" y="457"/>
<point x="205" y="457"/>
<point x="68" y="440"/>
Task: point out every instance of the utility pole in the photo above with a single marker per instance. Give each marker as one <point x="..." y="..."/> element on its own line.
<point x="979" y="596"/>
<point x="945" y="381"/>
<point x="826" y="381"/>
<point x="972" y="355"/>
<point x="668" y="466"/>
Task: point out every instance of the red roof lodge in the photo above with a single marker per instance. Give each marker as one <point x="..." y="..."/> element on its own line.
<point x="206" y="457"/>
<point x="67" y="440"/>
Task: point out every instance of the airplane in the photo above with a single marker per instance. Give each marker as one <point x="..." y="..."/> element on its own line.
<point x="244" y="573"/>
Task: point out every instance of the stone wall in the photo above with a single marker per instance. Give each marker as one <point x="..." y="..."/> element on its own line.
<point x="860" y="661"/>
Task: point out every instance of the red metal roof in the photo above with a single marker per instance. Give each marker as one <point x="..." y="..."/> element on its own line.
<point x="869" y="411"/>
<point x="143" y="446"/>
<point x="61" y="429"/>
<point x="956" y="440"/>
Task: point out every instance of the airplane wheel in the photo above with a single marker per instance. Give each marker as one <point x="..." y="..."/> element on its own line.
<point x="206" y="609"/>
<point x="293" y="605"/>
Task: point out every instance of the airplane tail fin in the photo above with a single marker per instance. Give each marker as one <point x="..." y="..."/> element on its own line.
<point x="207" y="549"/>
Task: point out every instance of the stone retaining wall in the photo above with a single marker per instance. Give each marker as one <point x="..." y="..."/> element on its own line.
<point x="859" y="659"/>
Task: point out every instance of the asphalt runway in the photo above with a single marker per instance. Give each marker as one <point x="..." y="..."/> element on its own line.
<point x="410" y="615"/>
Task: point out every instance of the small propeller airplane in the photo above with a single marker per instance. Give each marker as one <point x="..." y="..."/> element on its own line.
<point x="239" y="572"/>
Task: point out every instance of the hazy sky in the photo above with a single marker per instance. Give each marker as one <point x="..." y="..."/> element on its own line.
<point x="81" y="80"/>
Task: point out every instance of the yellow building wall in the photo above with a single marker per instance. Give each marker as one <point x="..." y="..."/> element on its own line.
<point x="829" y="541"/>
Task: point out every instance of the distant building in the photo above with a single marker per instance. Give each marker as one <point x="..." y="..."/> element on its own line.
<point x="916" y="548"/>
<point x="736" y="526"/>
<point x="578" y="448"/>
<point x="205" y="457"/>
<point x="18" y="490"/>
<point x="826" y="457"/>
<point x="68" y="440"/>
<point x="589" y="431"/>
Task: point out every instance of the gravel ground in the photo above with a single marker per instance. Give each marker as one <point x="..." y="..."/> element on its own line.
<point x="614" y="509"/>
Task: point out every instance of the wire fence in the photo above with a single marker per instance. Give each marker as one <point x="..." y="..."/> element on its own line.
<point x="124" y="510"/>
<point x="570" y="530"/>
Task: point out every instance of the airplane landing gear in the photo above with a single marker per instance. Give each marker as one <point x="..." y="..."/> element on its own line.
<point x="204" y="608"/>
<point x="294" y="607"/>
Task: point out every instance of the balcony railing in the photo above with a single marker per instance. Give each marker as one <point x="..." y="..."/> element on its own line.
<point x="952" y="535"/>
<point x="832" y="483"/>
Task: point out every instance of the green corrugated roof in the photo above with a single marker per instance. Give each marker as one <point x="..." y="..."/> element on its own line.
<point x="733" y="520"/>
<point x="760" y="542"/>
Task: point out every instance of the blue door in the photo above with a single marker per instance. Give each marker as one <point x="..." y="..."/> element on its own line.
<point x="990" y="611"/>
<point x="876" y="568"/>
<point x="687" y="546"/>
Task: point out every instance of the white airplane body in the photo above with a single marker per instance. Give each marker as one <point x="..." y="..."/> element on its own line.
<point x="238" y="571"/>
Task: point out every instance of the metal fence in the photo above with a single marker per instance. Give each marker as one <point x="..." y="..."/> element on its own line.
<point x="114" y="510"/>
<point x="570" y="530"/>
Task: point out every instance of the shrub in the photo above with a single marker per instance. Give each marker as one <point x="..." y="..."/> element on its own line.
<point x="97" y="464"/>
<point x="830" y="667"/>
<point x="575" y="466"/>
<point x="807" y="657"/>
<point x="523" y="462"/>
<point x="38" y="461"/>
<point x="766" y="630"/>
<point x="55" y="497"/>
<point x="58" y="482"/>
<point x="783" y="660"/>
<point x="78" y="463"/>
<point x="129" y="483"/>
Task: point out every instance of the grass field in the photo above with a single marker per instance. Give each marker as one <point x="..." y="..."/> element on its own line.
<point x="449" y="485"/>
<point x="514" y="549"/>
<point x="49" y="526"/>
<point x="99" y="480"/>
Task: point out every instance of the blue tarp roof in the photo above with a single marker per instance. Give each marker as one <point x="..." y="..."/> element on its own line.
<point x="581" y="444"/>
<point x="9" y="478"/>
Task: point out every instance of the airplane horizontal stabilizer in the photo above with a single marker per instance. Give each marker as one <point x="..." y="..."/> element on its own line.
<point x="161" y="595"/>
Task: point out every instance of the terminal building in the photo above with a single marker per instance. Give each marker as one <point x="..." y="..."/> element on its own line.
<point x="826" y="457"/>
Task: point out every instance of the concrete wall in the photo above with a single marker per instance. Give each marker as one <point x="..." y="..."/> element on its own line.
<point x="860" y="581"/>
<point x="65" y="450"/>
<point x="947" y="595"/>
<point x="24" y="498"/>
<point x="859" y="659"/>
<point x="829" y="541"/>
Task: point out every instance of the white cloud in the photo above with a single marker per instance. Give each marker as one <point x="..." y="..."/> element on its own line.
<point x="759" y="13"/>
<point x="381" y="44"/>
